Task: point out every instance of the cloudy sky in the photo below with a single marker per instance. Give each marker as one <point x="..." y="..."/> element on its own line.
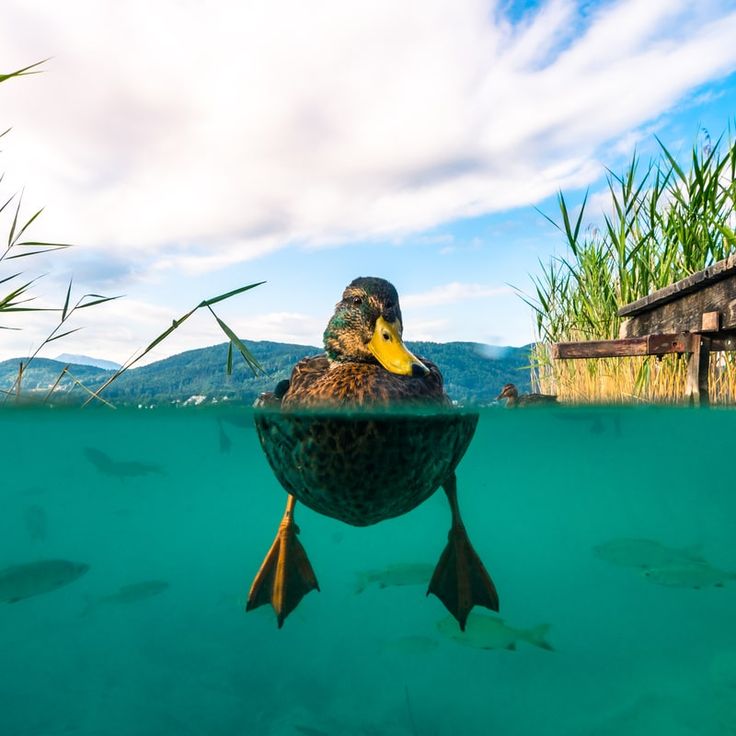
<point x="187" y="148"/>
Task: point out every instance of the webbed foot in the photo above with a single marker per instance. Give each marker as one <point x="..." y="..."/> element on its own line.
<point x="286" y="575"/>
<point x="460" y="579"/>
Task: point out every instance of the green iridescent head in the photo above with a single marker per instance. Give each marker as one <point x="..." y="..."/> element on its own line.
<point x="366" y="328"/>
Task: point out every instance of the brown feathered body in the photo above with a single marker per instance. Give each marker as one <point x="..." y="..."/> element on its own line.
<point x="362" y="466"/>
<point x="316" y="383"/>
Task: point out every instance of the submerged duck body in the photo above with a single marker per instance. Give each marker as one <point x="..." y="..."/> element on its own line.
<point x="362" y="468"/>
<point x="362" y="433"/>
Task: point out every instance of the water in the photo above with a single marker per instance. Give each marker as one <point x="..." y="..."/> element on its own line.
<point x="186" y="497"/>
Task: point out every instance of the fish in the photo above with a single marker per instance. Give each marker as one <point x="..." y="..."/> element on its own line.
<point x="120" y="468"/>
<point x="490" y="632"/>
<point x="35" y="521"/>
<point x="131" y="593"/>
<point x="18" y="582"/>
<point x="646" y="553"/>
<point x="409" y="573"/>
<point x="693" y="575"/>
<point x="411" y="645"/>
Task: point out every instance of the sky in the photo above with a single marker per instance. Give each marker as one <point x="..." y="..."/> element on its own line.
<point x="187" y="148"/>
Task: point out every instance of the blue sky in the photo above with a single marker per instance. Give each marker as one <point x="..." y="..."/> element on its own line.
<point x="188" y="148"/>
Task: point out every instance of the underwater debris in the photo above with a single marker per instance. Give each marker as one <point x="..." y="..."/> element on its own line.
<point x="18" y="582"/>
<point x="224" y="441"/>
<point x="34" y="518"/>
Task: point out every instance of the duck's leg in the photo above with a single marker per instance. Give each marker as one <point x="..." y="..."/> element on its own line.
<point x="460" y="579"/>
<point x="285" y="576"/>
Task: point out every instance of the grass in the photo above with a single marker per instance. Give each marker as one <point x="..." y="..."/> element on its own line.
<point x="665" y="222"/>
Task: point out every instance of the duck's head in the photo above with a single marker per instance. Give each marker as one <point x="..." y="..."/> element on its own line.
<point x="366" y="328"/>
<point x="509" y="391"/>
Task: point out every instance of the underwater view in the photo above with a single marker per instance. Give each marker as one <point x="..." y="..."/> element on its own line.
<point x="130" y="539"/>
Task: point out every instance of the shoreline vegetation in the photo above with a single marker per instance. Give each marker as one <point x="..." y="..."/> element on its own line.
<point x="664" y="222"/>
<point x="473" y="375"/>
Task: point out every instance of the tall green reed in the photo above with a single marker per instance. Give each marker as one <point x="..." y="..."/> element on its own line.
<point x="665" y="221"/>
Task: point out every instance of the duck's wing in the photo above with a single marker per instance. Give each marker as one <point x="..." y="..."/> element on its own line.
<point x="306" y="373"/>
<point x="431" y="386"/>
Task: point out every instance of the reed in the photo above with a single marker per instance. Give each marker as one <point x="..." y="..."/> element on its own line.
<point x="665" y="221"/>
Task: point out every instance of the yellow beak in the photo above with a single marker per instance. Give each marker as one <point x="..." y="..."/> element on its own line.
<point x="389" y="350"/>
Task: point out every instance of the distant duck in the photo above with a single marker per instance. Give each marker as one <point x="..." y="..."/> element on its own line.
<point x="511" y="394"/>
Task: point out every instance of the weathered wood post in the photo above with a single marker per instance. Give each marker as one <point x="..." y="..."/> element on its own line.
<point x="696" y="381"/>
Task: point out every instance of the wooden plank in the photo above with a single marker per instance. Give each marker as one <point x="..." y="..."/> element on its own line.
<point x="600" y="348"/>
<point x="647" y="345"/>
<point x="685" y="312"/>
<point x="694" y="282"/>
<point x="632" y="346"/>
<point x="696" y="382"/>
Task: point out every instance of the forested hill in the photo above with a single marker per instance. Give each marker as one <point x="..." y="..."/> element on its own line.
<point x="474" y="373"/>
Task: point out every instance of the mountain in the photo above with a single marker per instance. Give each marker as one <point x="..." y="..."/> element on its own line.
<point x="474" y="374"/>
<point x="87" y="360"/>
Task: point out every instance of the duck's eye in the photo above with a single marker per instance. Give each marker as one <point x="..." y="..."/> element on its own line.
<point x="357" y="301"/>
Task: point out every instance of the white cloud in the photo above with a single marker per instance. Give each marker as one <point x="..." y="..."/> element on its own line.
<point x="292" y="327"/>
<point x="204" y="134"/>
<point x="451" y="294"/>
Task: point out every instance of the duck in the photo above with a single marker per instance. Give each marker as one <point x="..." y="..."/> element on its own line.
<point x="333" y="446"/>
<point x="514" y="398"/>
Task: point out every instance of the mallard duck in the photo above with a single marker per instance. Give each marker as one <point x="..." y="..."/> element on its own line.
<point x="514" y="398"/>
<point x="351" y="461"/>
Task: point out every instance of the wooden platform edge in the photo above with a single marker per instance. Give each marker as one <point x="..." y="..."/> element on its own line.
<point x="633" y="346"/>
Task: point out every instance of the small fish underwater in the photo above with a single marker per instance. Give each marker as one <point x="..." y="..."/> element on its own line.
<point x="127" y="594"/>
<point x="120" y="468"/>
<point x="693" y="575"/>
<point x="19" y="582"/>
<point x="646" y="553"/>
<point x="491" y="632"/>
<point x="400" y="574"/>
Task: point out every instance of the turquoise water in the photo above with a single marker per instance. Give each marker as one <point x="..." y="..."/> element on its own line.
<point x="186" y="498"/>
